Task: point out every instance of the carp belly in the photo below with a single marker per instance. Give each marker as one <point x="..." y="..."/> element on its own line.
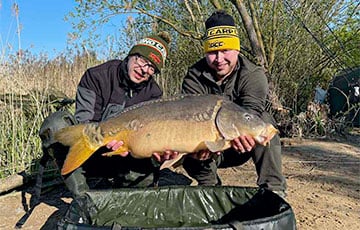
<point x="176" y="135"/>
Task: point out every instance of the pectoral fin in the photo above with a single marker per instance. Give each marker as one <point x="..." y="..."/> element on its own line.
<point x="215" y="146"/>
<point x="172" y="162"/>
<point x="122" y="151"/>
<point x="269" y="132"/>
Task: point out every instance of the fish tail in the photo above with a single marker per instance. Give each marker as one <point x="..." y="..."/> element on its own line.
<point x="77" y="155"/>
<point x="69" y="135"/>
<point x="81" y="146"/>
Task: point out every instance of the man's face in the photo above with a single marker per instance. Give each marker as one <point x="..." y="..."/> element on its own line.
<point x="140" y="69"/>
<point x="222" y="61"/>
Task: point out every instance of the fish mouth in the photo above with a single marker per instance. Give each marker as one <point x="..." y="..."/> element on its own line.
<point x="266" y="135"/>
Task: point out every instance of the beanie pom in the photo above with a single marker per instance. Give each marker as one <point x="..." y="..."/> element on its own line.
<point x="165" y="36"/>
<point x="219" y="18"/>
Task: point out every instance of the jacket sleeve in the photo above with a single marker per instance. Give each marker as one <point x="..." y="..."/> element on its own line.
<point x="253" y="90"/>
<point x="88" y="99"/>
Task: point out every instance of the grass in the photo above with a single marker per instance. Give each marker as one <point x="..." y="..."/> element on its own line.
<point x="29" y="90"/>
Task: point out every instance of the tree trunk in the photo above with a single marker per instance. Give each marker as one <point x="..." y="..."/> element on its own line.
<point x="273" y="40"/>
<point x="258" y="34"/>
<point x="257" y="49"/>
<point x="249" y="27"/>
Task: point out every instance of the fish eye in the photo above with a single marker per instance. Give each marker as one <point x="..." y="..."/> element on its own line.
<point x="247" y="116"/>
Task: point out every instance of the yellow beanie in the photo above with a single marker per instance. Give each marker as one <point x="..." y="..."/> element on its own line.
<point x="221" y="33"/>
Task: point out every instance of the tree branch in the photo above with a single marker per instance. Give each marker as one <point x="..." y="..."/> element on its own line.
<point x="273" y="39"/>
<point x="216" y="4"/>
<point x="193" y="19"/>
<point x="186" y="34"/>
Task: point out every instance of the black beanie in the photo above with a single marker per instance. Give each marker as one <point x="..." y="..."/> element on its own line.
<point x="219" y="18"/>
<point x="221" y="33"/>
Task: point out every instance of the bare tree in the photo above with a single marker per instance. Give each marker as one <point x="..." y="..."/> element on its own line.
<point x="292" y="40"/>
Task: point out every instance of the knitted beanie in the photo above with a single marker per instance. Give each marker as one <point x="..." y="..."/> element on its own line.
<point x="153" y="48"/>
<point x="221" y="33"/>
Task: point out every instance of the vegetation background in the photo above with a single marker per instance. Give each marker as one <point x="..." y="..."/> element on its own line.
<point x="303" y="44"/>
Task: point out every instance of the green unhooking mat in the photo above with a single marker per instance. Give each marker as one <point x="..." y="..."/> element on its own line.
<point x="180" y="207"/>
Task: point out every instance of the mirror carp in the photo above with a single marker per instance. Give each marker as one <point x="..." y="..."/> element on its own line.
<point x="184" y="123"/>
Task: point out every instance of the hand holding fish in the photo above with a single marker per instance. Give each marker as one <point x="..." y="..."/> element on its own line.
<point x="167" y="155"/>
<point x="203" y="154"/>
<point x="114" y="145"/>
<point x="244" y="143"/>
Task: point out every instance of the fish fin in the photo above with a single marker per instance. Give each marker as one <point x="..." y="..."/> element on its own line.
<point x="172" y="162"/>
<point x="120" y="151"/>
<point x="68" y="136"/>
<point x="178" y="163"/>
<point x="215" y="146"/>
<point x="80" y="147"/>
<point x="123" y="149"/>
<point x="78" y="154"/>
<point x="267" y="135"/>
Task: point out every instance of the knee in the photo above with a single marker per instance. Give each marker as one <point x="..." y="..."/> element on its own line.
<point x="49" y="127"/>
<point x="52" y="124"/>
<point x="204" y="172"/>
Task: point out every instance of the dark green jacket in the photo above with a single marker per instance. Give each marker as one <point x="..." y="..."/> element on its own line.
<point x="247" y="86"/>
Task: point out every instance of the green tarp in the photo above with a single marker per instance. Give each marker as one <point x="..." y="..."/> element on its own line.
<point x="181" y="207"/>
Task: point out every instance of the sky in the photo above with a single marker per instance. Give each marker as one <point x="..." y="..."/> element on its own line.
<point x="42" y="25"/>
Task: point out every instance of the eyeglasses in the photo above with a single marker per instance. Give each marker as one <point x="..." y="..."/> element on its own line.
<point x="145" y="65"/>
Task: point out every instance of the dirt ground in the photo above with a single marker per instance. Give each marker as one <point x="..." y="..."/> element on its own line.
<point x="323" y="179"/>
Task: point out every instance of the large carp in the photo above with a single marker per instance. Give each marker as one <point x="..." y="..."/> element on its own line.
<point x="185" y="123"/>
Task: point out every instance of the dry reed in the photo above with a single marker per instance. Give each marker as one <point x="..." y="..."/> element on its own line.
<point x="27" y="91"/>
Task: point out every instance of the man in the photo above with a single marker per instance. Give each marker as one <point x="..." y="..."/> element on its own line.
<point x="224" y="71"/>
<point x="110" y="87"/>
<point x="103" y="92"/>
